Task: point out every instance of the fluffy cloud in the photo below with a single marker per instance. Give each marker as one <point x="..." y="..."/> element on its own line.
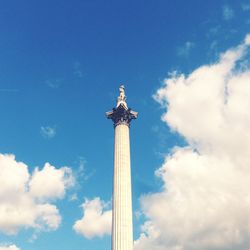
<point x="26" y="200"/>
<point x="205" y="201"/>
<point x="55" y="180"/>
<point x="95" y="221"/>
<point x="9" y="247"/>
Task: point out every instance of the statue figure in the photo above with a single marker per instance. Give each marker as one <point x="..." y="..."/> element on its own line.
<point x="122" y="97"/>
<point x="121" y="114"/>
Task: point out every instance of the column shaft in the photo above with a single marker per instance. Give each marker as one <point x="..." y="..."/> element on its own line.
<point x="122" y="226"/>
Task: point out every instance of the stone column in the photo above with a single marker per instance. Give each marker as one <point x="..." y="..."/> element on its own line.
<point x="122" y="226"/>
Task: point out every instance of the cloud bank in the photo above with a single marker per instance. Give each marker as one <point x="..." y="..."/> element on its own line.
<point x="26" y="200"/>
<point x="204" y="203"/>
<point x="95" y="222"/>
<point x="9" y="247"/>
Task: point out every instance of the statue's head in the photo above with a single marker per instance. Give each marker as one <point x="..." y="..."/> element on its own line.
<point x="122" y="87"/>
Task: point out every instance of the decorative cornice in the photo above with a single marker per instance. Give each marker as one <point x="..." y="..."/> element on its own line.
<point x="121" y="114"/>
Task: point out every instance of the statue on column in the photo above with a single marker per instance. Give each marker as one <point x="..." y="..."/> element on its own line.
<point x="121" y="99"/>
<point x="121" y="114"/>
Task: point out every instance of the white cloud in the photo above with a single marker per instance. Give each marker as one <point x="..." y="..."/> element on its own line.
<point x="205" y="201"/>
<point x="9" y="247"/>
<point x="228" y="12"/>
<point x="185" y="49"/>
<point x="95" y="222"/>
<point x="73" y="197"/>
<point x="247" y="40"/>
<point x="26" y="200"/>
<point x="56" y="181"/>
<point x="48" y="132"/>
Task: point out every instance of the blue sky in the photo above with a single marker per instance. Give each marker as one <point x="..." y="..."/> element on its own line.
<point x="61" y="65"/>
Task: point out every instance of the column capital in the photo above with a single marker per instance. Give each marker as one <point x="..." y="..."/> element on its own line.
<point x="121" y="114"/>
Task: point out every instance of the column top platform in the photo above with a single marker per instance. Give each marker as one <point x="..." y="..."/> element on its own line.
<point x="121" y="114"/>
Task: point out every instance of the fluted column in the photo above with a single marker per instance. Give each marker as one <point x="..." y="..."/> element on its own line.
<point x="122" y="227"/>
